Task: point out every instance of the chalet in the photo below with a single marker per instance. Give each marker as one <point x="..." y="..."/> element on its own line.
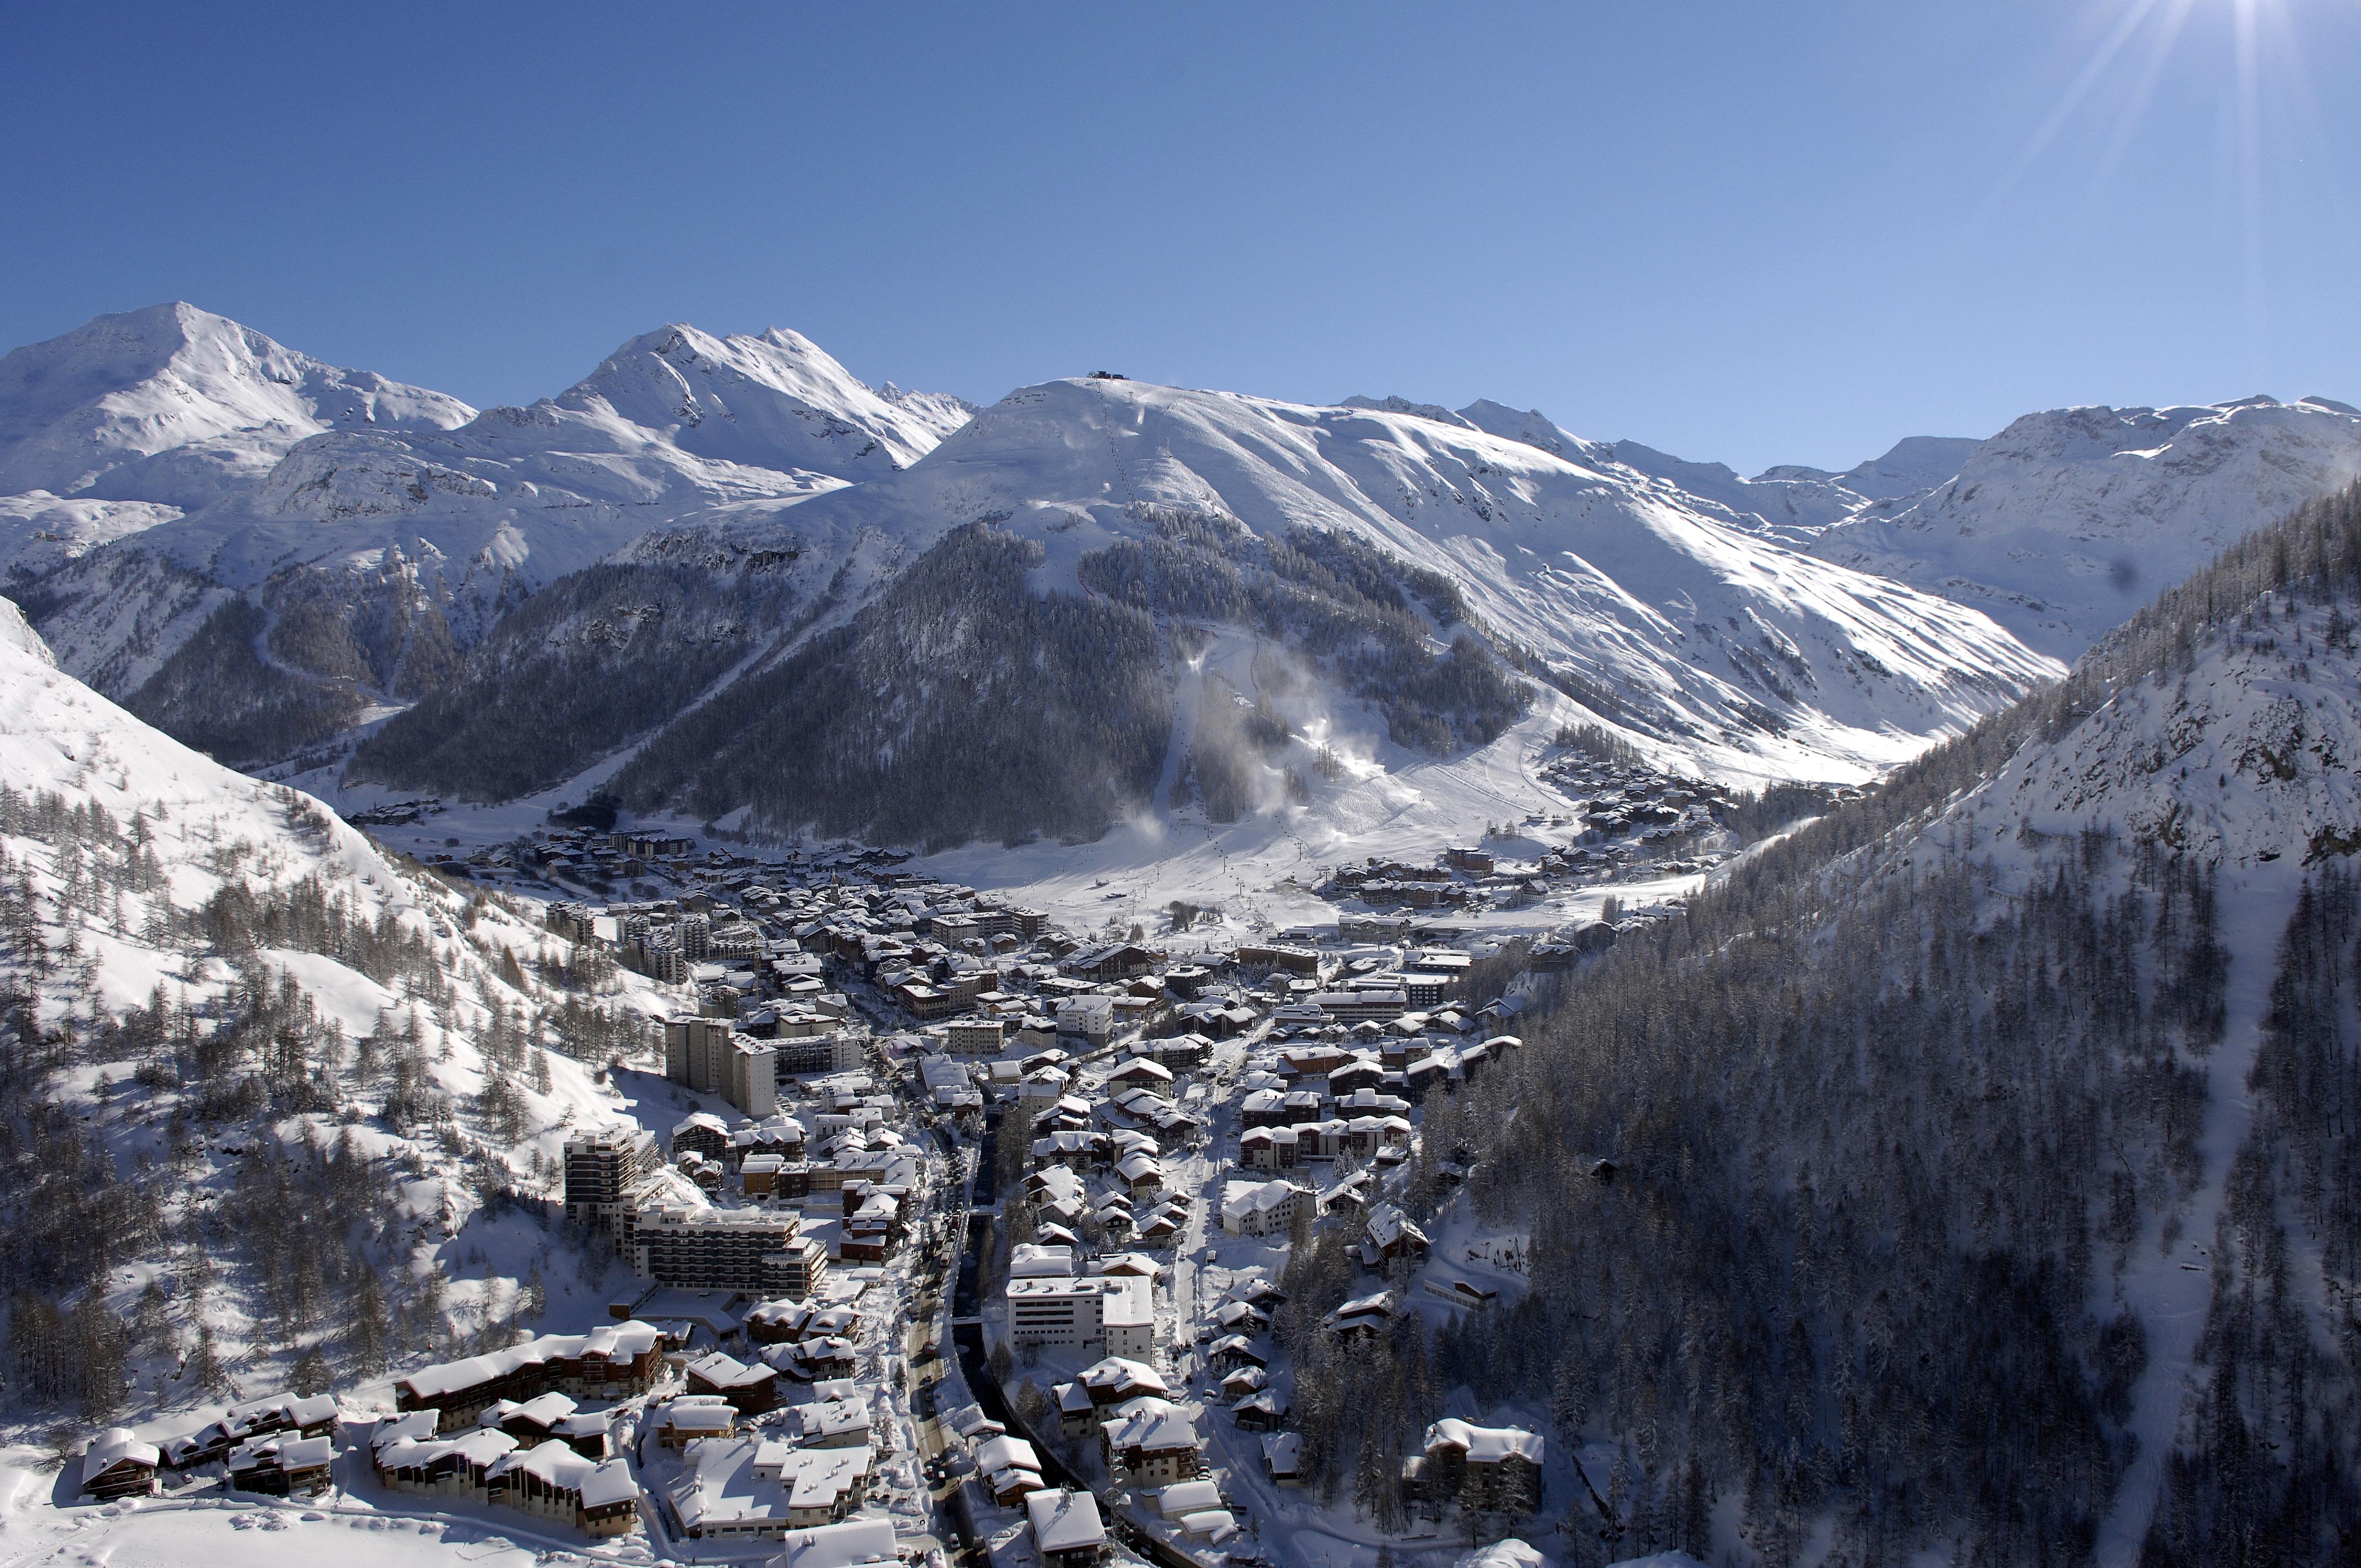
<point x="1282" y="1457"/>
<point x="118" y="1464"/>
<point x="548" y="1416"/>
<point x="1288" y="959"/>
<point x="1364" y="1316"/>
<point x="688" y="1419"/>
<point x="822" y="1486"/>
<point x="1118" y="1380"/>
<point x="1178" y="1053"/>
<point x="1150" y="1441"/>
<point x="1011" y="1468"/>
<point x="971" y="1423"/>
<point x="1268" y="1148"/>
<point x="813" y="1360"/>
<point x="283" y="1466"/>
<point x="1187" y="1497"/>
<point x="784" y="1322"/>
<point x="1142" y="1072"/>
<point x="311" y="1416"/>
<point x="612" y="1363"/>
<point x="553" y="1482"/>
<point x="1076" y="1149"/>
<point x="451" y="1467"/>
<point x="1135" y="1265"/>
<point x="704" y="1133"/>
<point x="1265" y="1410"/>
<point x="1141" y="1174"/>
<point x="1067" y="1530"/>
<point x="1118" y="961"/>
<point x="1231" y="1352"/>
<point x="750" y="1390"/>
<point x="1483" y="1469"/>
<point x="834" y="1424"/>
<point x="1077" y="1417"/>
<point x="1390" y="1235"/>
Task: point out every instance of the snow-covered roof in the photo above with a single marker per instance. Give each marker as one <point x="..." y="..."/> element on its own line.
<point x="1514" y="1553"/>
<point x="1484" y="1445"/>
<point x="1061" y="1520"/>
<point x="621" y="1342"/>
<point x="610" y="1482"/>
<point x="546" y="1409"/>
<point x="1240" y="1199"/>
<point x="1138" y="1263"/>
<point x="726" y="1370"/>
<point x="1000" y="1452"/>
<point x="1389" y="1225"/>
<point x="969" y="1421"/>
<point x="700" y="1415"/>
<point x="833" y="1418"/>
<point x="1187" y="1497"/>
<point x="1117" y="1372"/>
<point x="1151" y="1425"/>
<point x="1028" y="1260"/>
<point x="407" y="1427"/>
<point x="112" y="1447"/>
<point x="846" y="1545"/>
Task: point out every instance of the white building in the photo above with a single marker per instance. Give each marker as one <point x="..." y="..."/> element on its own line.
<point x="1116" y="1314"/>
<point x="1261" y="1208"/>
<point x="1092" y="1018"/>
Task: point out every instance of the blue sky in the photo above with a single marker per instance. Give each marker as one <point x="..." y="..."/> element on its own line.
<point x="1752" y="233"/>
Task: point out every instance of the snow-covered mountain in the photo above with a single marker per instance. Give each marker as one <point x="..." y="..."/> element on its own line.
<point x="178" y="406"/>
<point x="2060" y="527"/>
<point x="675" y="423"/>
<point x="2220" y="728"/>
<point x="1791" y="502"/>
<point x="131" y="420"/>
<point x="228" y="983"/>
<point x="171" y="462"/>
<point x="1700" y="631"/>
<point x="772" y="401"/>
<point x="2069" y="520"/>
<point x="1911" y="466"/>
<point x="1318" y="566"/>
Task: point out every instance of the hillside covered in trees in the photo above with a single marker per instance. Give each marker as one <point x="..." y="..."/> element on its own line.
<point x="265" y="1094"/>
<point x="1982" y="1166"/>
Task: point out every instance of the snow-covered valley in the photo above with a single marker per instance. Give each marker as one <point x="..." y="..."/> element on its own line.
<point x="1751" y="1036"/>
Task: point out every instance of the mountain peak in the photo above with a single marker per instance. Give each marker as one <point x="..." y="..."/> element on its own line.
<point x="176" y="404"/>
<point x="777" y="400"/>
<point x="2070" y="519"/>
<point x="1399" y="405"/>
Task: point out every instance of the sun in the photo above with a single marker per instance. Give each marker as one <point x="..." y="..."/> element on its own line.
<point x="2244" y="57"/>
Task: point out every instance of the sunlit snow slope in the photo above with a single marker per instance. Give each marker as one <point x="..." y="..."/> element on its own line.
<point x="1694" y="634"/>
<point x="2069" y="520"/>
